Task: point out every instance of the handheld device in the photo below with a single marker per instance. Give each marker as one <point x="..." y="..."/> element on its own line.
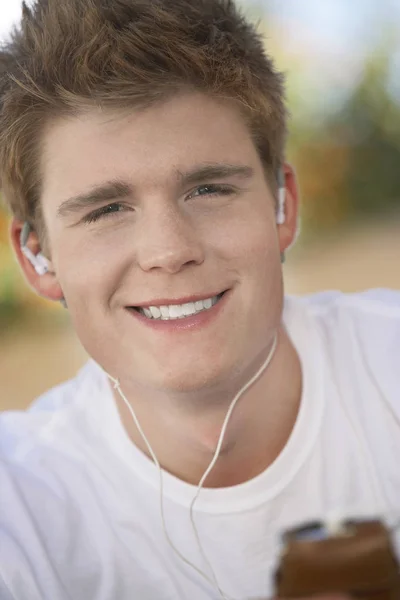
<point x="358" y="558"/>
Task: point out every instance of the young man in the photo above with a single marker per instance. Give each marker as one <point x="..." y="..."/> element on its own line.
<point x="142" y="156"/>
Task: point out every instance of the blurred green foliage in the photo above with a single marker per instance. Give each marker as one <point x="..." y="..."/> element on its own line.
<point x="371" y="119"/>
<point x="349" y="164"/>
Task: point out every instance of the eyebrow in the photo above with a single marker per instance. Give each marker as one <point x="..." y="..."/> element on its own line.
<point x="119" y="189"/>
<point x="104" y="192"/>
<point x="215" y="171"/>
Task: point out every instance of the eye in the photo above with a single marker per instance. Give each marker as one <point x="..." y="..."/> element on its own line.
<point x="211" y="190"/>
<point x="104" y="211"/>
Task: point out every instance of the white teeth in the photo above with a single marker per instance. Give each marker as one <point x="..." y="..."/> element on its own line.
<point x="178" y="311"/>
<point x="164" y="311"/>
<point x="189" y="309"/>
<point x="155" y="312"/>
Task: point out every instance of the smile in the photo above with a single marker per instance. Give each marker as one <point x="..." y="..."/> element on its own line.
<point x="178" y="311"/>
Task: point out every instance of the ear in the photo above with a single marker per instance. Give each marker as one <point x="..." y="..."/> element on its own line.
<point x="44" y="285"/>
<point x="287" y="232"/>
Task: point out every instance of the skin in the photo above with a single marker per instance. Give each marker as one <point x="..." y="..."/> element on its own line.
<point x="170" y="240"/>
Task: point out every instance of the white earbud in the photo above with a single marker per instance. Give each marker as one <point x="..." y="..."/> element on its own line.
<point x="280" y="215"/>
<point x="38" y="261"/>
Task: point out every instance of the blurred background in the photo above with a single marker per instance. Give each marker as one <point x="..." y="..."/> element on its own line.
<point x="342" y="62"/>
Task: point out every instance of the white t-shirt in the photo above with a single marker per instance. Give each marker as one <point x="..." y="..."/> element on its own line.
<point x="80" y="504"/>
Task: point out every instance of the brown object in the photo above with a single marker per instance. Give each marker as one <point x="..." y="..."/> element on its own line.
<point x="359" y="560"/>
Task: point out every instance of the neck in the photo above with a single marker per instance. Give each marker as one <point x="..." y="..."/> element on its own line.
<point x="185" y="441"/>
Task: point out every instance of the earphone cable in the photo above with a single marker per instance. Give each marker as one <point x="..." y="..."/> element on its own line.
<point x="214" y="580"/>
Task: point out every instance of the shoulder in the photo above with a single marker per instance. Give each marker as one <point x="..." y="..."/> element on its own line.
<point x="359" y="338"/>
<point x="23" y="430"/>
<point x="370" y="313"/>
<point x="367" y="321"/>
<point x="357" y="331"/>
<point x="28" y="440"/>
<point x="374" y="301"/>
<point x="370" y="317"/>
<point x="41" y="475"/>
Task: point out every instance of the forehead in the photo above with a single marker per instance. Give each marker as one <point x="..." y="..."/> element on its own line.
<point x="142" y="144"/>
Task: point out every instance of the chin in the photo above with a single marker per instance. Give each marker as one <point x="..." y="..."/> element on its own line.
<point x="190" y="379"/>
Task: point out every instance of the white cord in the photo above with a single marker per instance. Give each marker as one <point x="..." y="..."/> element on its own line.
<point x="220" y="441"/>
<point x="154" y="457"/>
<point x="214" y="580"/>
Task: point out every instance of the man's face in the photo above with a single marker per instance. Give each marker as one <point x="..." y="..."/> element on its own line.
<point x="184" y="213"/>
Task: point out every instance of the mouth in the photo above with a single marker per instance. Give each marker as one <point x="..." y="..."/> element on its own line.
<point x="170" y="312"/>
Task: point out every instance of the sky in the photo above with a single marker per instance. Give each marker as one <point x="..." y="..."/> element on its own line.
<point x="10" y="11"/>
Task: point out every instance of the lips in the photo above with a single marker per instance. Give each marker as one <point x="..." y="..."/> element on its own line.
<point x="177" y="301"/>
<point x="178" y="311"/>
<point x="180" y="324"/>
<point x="189" y="307"/>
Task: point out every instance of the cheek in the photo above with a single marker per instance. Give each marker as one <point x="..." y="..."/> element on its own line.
<point x="254" y="250"/>
<point x="250" y="241"/>
<point x="87" y="266"/>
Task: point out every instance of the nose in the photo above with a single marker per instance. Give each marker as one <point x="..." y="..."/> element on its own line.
<point x="169" y="241"/>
